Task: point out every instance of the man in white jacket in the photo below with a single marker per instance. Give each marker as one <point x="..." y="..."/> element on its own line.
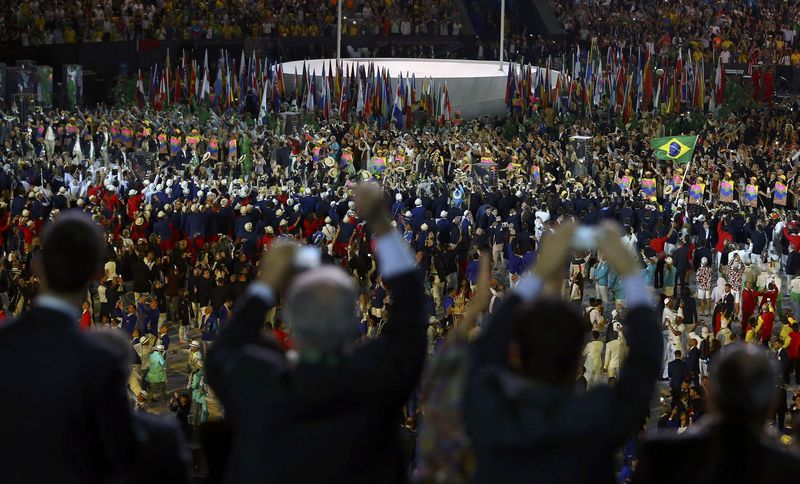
<point x="615" y="355"/>
<point x="594" y="359"/>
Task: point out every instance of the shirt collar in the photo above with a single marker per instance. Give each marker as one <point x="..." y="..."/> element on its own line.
<point x="59" y="305"/>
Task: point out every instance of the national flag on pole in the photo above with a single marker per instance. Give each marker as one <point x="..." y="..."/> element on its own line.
<point x="676" y="148"/>
<point x="679" y="81"/>
<point x="648" y="83"/>
<point x="140" y="96"/>
<point x="397" y="110"/>
<point x="262" y="111"/>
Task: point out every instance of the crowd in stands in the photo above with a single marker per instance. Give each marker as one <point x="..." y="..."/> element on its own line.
<point x="735" y="32"/>
<point x="36" y="23"/>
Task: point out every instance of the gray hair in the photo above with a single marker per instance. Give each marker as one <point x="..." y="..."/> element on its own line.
<point x="321" y="309"/>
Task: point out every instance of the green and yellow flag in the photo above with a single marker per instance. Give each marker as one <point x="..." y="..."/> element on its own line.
<point x="677" y="148"/>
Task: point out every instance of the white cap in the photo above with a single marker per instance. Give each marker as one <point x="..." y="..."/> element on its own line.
<point x="279" y="212"/>
<point x="243" y="210"/>
<point x="139" y="221"/>
<point x="408" y="213"/>
<point x="170" y="182"/>
<point x="159" y="187"/>
<point x="614" y="313"/>
<point x="424" y="227"/>
<point x="398" y="197"/>
<point x="200" y="194"/>
<point x="269" y="229"/>
<point x="327" y="220"/>
<point x="668" y="260"/>
<point x="284" y="222"/>
<point x="443" y="214"/>
<point x="62" y="190"/>
<point x="195" y="344"/>
<point x="159" y="348"/>
<point x="161" y="214"/>
<point x="518" y="194"/>
<point x="704" y="260"/>
<point x="418" y="202"/>
<point x="248" y="226"/>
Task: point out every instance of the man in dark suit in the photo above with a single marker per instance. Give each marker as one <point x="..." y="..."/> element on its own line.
<point x="693" y="361"/>
<point x="66" y="415"/>
<point x="520" y="407"/>
<point x="740" y="400"/>
<point x="785" y="368"/>
<point x="333" y="415"/>
<point x="682" y="263"/>
<point x="678" y="372"/>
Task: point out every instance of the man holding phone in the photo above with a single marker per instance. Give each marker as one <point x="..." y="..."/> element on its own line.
<point x="328" y="415"/>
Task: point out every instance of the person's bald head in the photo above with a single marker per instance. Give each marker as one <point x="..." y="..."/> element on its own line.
<point x="743" y="383"/>
<point x="321" y="308"/>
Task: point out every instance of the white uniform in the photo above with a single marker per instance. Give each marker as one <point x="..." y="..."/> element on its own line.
<point x="615" y="354"/>
<point x="594" y="361"/>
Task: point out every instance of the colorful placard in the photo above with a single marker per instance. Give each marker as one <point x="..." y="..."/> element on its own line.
<point x="779" y="194"/>
<point x="696" y="193"/>
<point x="751" y="195"/>
<point x="649" y="188"/>
<point x="726" y="191"/>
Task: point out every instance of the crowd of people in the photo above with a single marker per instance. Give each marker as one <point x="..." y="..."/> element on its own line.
<point x="188" y="207"/>
<point x="69" y="22"/>
<point x="742" y="32"/>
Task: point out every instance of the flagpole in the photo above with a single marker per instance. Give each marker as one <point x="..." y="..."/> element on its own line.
<point x="683" y="180"/>
<point x="338" y="30"/>
<point x="502" y="31"/>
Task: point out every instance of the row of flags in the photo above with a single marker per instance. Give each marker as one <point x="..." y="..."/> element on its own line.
<point x="222" y="87"/>
<point x="360" y="90"/>
<point x="623" y="84"/>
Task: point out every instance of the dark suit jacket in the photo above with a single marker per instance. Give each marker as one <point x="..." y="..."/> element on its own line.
<point x="319" y="422"/>
<point x="66" y="415"/>
<point x="523" y="432"/>
<point x="681" y="258"/>
<point x="678" y="371"/>
<point x="693" y="361"/>
<point x="712" y="453"/>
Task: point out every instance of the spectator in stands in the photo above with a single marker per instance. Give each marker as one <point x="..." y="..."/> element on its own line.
<point x="67" y="400"/>
<point x="523" y="374"/>
<point x="742" y="398"/>
<point x="287" y="415"/>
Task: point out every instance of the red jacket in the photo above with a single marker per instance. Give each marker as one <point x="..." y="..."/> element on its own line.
<point x="766" y="327"/>
<point x="749" y="298"/>
<point x="794" y="346"/>
<point x="723" y="237"/>
<point x="793" y="239"/>
<point x="86" y="320"/>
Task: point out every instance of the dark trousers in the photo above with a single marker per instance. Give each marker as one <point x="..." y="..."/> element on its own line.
<point x="659" y="279"/>
<point x="796" y="365"/>
<point x="680" y="280"/>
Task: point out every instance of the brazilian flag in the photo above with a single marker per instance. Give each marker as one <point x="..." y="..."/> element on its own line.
<point x="677" y="148"/>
